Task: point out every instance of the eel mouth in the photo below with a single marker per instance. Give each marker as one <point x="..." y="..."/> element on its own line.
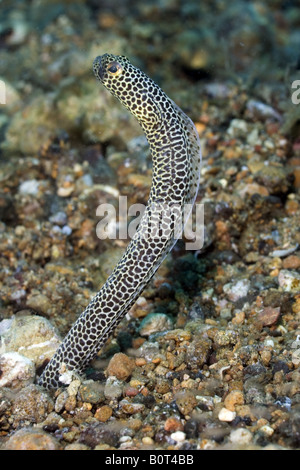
<point x="99" y="71"/>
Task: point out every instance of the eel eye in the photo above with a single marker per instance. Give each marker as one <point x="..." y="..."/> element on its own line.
<point x="115" y="69"/>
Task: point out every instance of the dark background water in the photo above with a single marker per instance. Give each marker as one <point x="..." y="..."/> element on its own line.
<point x="181" y="44"/>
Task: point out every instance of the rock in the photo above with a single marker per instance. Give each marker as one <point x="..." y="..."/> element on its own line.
<point x="240" y="436"/>
<point x="120" y="366"/>
<point x="173" y="424"/>
<point x="148" y="441"/>
<point x="296" y="357"/>
<point x="226" y="415"/>
<point x="289" y="281"/>
<point x="92" y="392"/>
<point x="198" y="351"/>
<point x="269" y="316"/>
<point x="178" y="335"/>
<point x="16" y="371"/>
<point x="237" y="290"/>
<point x="258" y="110"/>
<point x="267" y="430"/>
<point x="131" y="391"/>
<point x="225" y="338"/>
<point x="104" y="413"/>
<point x="131" y="408"/>
<point x="32" y="336"/>
<point x="244" y="189"/>
<point x="5" y="406"/>
<point x="238" y="127"/>
<point x="186" y="402"/>
<point x="31" y="404"/>
<point x="63" y="191"/>
<point x="76" y="446"/>
<point x="149" y="351"/>
<point x="39" y="303"/>
<point x="73" y="387"/>
<point x="162" y="386"/>
<point x="6" y="207"/>
<point x="191" y="428"/>
<point x="30" y="187"/>
<point x="113" y="388"/>
<point x="70" y="403"/>
<point x="154" y="323"/>
<point x="291" y="262"/>
<point x="205" y="403"/>
<point x="31" y="439"/>
<point x="97" y="433"/>
<point x="235" y="397"/>
<point x="61" y="401"/>
<point x="59" y="218"/>
<point x="274" y="178"/>
<point x="178" y="436"/>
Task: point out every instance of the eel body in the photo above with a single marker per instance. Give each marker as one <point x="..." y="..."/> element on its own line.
<point x="175" y="149"/>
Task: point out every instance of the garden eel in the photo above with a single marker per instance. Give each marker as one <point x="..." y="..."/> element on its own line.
<point x="175" y="149"/>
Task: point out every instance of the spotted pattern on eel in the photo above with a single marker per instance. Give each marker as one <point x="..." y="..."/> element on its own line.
<point x="176" y="155"/>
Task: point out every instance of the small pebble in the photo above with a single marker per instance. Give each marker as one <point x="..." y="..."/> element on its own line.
<point x="269" y="316"/>
<point x="60" y="218"/>
<point x="267" y="430"/>
<point x="226" y="415"/>
<point x="131" y="391"/>
<point x="125" y="439"/>
<point x="225" y="337"/>
<point x="91" y="392"/>
<point x="65" y="191"/>
<point x="61" y="401"/>
<point x="236" y="397"/>
<point x="186" y="402"/>
<point x="289" y="281"/>
<point x="178" y="436"/>
<point x="178" y="335"/>
<point x="148" y="441"/>
<point x="198" y="351"/>
<point x="237" y="127"/>
<point x="120" y="366"/>
<point x="73" y="387"/>
<point x="262" y="111"/>
<point x="30" y="187"/>
<point x="32" y="336"/>
<point x="173" y="425"/>
<point x="131" y="408"/>
<point x="296" y="357"/>
<point x="104" y="413"/>
<point x="76" y="446"/>
<point x="16" y="371"/>
<point x="113" y="388"/>
<point x="31" y="439"/>
<point x="237" y="290"/>
<point x="206" y="403"/>
<point x="140" y="361"/>
<point x="31" y="404"/>
<point x="155" y="322"/>
<point x="240" y="436"/>
<point x="291" y="262"/>
<point x="39" y="303"/>
<point x="70" y="403"/>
